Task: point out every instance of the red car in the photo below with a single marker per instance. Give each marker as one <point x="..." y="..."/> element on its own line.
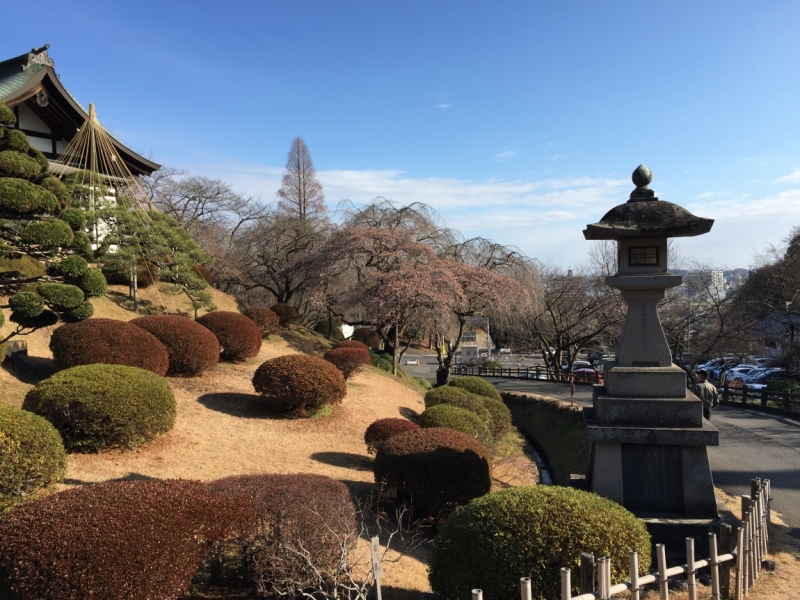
<point x="587" y="375"/>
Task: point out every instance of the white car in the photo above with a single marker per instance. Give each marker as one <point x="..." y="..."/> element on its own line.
<point x="412" y="361"/>
<point x="734" y="376"/>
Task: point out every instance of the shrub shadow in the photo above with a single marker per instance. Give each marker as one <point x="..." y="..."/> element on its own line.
<point x="128" y="477"/>
<point x="409" y="413"/>
<point x="247" y="406"/>
<point x="347" y="460"/>
<point x="301" y="339"/>
<point x="146" y="307"/>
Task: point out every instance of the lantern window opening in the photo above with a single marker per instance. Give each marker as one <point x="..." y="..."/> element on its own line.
<point x="643" y="256"/>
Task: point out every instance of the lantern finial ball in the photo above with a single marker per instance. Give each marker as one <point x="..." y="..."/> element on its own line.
<point x="642" y="176"/>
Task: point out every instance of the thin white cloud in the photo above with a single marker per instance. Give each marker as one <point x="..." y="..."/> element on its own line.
<point x="504" y="155"/>
<point x="793" y="177"/>
<point x="704" y="195"/>
<point x="442" y="105"/>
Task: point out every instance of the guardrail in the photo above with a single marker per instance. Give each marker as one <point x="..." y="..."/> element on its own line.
<point x="540" y="373"/>
<point x="764" y="398"/>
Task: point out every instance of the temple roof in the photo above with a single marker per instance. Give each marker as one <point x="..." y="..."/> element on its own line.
<point x="644" y="215"/>
<point x="31" y="79"/>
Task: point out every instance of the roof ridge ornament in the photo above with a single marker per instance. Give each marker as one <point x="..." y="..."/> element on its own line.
<point x="38" y="56"/>
<point x="642" y="176"/>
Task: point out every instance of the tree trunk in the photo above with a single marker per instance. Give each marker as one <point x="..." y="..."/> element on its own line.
<point x="443" y="374"/>
<point x="135" y="288"/>
<point x="394" y="350"/>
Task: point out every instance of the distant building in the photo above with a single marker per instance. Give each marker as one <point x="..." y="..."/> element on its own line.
<point x="46" y="112"/>
<point x="718" y="280"/>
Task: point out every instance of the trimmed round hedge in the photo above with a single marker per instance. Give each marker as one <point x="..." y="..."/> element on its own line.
<point x="476" y="385"/>
<point x="7" y="116"/>
<point x="73" y="266"/>
<point x="456" y="397"/>
<point x="435" y="469"/>
<point x="59" y="190"/>
<point x="94" y="284"/>
<point x="26" y="304"/>
<point x="500" y="423"/>
<point x="287" y="314"/>
<point x="267" y="321"/>
<point x="531" y="532"/>
<point x="460" y="419"/>
<point x="239" y="337"/>
<point x="17" y="164"/>
<point x="349" y="361"/>
<point x="23" y="198"/>
<point x="382" y="429"/>
<point x="125" y="539"/>
<point x="191" y="347"/>
<point x="74" y="217"/>
<point x="299" y="384"/>
<point x="52" y="233"/>
<point x="32" y="455"/>
<point x="96" y="407"/>
<point x="61" y="295"/>
<point x="300" y="519"/>
<point x="108" y="341"/>
<point x="353" y="344"/>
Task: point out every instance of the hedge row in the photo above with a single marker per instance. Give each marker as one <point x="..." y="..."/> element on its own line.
<point x="239" y="337"/>
<point x="191" y="347"/>
<point x="268" y="322"/>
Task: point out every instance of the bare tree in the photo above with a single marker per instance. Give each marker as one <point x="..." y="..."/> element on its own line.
<point x="301" y="194"/>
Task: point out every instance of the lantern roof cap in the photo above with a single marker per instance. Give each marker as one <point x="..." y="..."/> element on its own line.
<point x="644" y="215"/>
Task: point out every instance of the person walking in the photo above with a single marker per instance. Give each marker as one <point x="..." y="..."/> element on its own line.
<point x="706" y="391"/>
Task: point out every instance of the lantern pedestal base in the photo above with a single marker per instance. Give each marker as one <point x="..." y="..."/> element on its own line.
<point x="645" y="382"/>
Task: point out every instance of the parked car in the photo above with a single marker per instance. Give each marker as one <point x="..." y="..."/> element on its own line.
<point x="733" y="376"/>
<point x="761" y="381"/>
<point x="587" y="375"/>
<point x="578" y="364"/>
<point x="412" y="361"/>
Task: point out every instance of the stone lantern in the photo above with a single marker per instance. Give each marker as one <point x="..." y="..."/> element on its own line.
<point x="646" y="429"/>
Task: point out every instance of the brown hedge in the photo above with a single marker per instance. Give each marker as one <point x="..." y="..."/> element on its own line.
<point x="299" y="384"/>
<point x="299" y="515"/>
<point x="353" y="344"/>
<point x="239" y="336"/>
<point x="108" y="341"/>
<point x="382" y="429"/>
<point x="287" y="314"/>
<point x="192" y="348"/>
<point x="267" y="321"/>
<point x="349" y="361"/>
<point x="123" y="540"/>
<point x="436" y="469"/>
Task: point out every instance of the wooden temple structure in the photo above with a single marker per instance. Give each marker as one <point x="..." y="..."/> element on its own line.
<point x="47" y="113"/>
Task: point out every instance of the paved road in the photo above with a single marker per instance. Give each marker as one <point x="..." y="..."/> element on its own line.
<point x="752" y="444"/>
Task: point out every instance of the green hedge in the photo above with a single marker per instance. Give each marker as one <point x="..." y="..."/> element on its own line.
<point x="17" y="164"/>
<point x="7" y="116"/>
<point x="74" y="217"/>
<point x="452" y="417"/>
<point x="13" y="139"/>
<point x="94" y="283"/>
<point x="58" y="189"/>
<point x="32" y="455"/>
<point x="23" y="198"/>
<point x="81" y="312"/>
<point x="73" y="266"/>
<point x="456" y="397"/>
<point x="531" y="532"/>
<point x="475" y="385"/>
<point x="96" y="407"/>
<point x="82" y="244"/>
<point x="52" y="233"/>
<point x="26" y="304"/>
<point x="61" y="296"/>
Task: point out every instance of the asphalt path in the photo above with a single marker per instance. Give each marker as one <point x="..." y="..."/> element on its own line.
<point x="752" y="444"/>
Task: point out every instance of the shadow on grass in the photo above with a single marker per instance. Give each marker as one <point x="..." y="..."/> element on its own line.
<point x="301" y="339"/>
<point x="347" y="460"/>
<point x="247" y="406"/>
<point x="128" y="477"/>
<point x="409" y="413"/>
<point x="146" y="307"/>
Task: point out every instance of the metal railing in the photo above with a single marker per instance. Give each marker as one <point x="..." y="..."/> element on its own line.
<point x="764" y="398"/>
<point x="538" y="373"/>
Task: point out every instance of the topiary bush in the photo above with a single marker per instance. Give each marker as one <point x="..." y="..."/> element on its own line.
<point x="31" y="455"/>
<point x="74" y="217"/>
<point x="349" y="361"/>
<point x="7" y="116"/>
<point x="456" y="397"/>
<point x="16" y="164"/>
<point x="287" y="314"/>
<point x="59" y="190"/>
<point x="368" y="337"/>
<point x="304" y="524"/>
<point x="299" y="384"/>
<point x="96" y="407"/>
<point x="267" y="321"/>
<point x="61" y="296"/>
<point x="475" y="385"/>
<point x="81" y="312"/>
<point x="460" y="419"/>
<point x="93" y="283"/>
<point x="191" y="347"/>
<point x="531" y="532"/>
<point x="23" y="198"/>
<point x="239" y="337"/>
<point x="382" y="429"/>
<point x="435" y="469"/>
<point x="50" y="234"/>
<point x="13" y="139"/>
<point x="500" y="423"/>
<point x="353" y="344"/>
<point x="125" y="539"/>
<point x="108" y="341"/>
<point x="73" y="266"/>
<point x="26" y="304"/>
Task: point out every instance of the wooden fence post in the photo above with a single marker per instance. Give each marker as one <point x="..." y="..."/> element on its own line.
<point x="744" y="394"/>
<point x="587" y="573"/>
<point x="725" y="547"/>
<point x="690" y="571"/>
<point x="525" y="588"/>
<point x="713" y="564"/>
<point x="725" y="392"/>
<point x="740" y="563"/>
<point x="566" y="585"/>
<point x="663" y="588"/>
<point x="764" y="397"/>
<point x="635" y="575"/>
<point x="787" y="401"/>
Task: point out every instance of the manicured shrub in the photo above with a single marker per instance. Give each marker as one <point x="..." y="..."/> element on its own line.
<point x="118" y="273"/>
<point x="299" y="384"/>
<point x="73" y="266"/>
<point x="52" y="233"/>
<point x="475" y="385"/>
<point x="125" y="539"/>
<point x="436" y="469"/>
<point x="61" y="295"/>
<point x="203" y="272"/>
<point x="287" y="314"/>
<point x="40" y="158"/>
<point x="7" y="116"/>
<point x="304" y="524"/>
<point x="110" y="342"/>
<point x="17" y="164"/>
<point x="191" y="347"/>
<point x="31" y="455"/>
<point x="24" y="267"/>
<point x="353" y="344"/>
<point x="82" y="245"/>
<point x="59" y="190"/>
<point x="531" y="532"/>
<point x="382" y="429"/>
<point x="267" y="321"/>
<point x="349" y="361"/>
<point x="239" y="337"/>
<point x="423" y="383"/>
<point x="74" y="217"/>
<point x="81" y="312"/>
<point x="500" y="423"/>
<point x="26" y="304"/>
<point x="456" y="397"/>
<point x="367" y="336"/>
<point x="96" y="407"/>
<point x="460" y="419"/>
<point x="14" y="139"/>
<point x="23" y="198"/>
<point x="93" y="283"/>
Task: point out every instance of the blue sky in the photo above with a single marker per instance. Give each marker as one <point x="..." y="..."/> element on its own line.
<point x="518" y="121"/>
